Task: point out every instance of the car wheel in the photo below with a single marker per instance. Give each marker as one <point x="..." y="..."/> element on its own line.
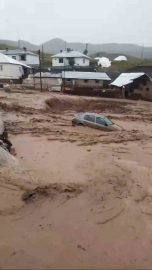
<point x="80" y="124"/>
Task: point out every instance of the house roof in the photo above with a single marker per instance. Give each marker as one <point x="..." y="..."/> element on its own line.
<point x="4" y="59"/>
<point x="85" y="75"/>
<point x="17" y="52"/>
<point x="70" y="54"/>
<point x="127" y="78"/>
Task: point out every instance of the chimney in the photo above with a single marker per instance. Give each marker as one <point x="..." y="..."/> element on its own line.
<point x="6" y="49"/>
<point x="60" y="51"/>
<point x="68" y="50"/>
<point x="24" y="48"/>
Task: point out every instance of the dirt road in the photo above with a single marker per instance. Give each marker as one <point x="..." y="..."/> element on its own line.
<point x="83" y="197"/>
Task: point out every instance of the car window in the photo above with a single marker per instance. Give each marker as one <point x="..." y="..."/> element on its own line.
<point x="100" y="121"/>
<point x="90" y="118"/>
<point x="109" y="122"/>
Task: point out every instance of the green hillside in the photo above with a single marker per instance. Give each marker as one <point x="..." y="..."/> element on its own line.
<point x="124" y="65"/>
<point x="120" y="66"/>
<point x="112" y="56"/>
<point x="4" y="46"/>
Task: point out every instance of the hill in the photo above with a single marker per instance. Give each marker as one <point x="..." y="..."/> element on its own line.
<point x="55" y="45"/>
<point x="112" y="56"/>
<point x="20" y="44"/>
<point x="4" y="46"/>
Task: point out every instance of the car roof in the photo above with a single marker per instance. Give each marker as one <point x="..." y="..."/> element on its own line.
<point x="95" y="114"/>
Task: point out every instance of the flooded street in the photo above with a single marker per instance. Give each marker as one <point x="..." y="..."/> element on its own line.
<point x="86" y="200"/>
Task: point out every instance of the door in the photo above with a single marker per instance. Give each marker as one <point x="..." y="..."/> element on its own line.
<point x="89" y="121"/>
<point x="101" y="123"/>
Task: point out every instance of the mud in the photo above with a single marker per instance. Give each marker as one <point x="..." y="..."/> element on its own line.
<point x="76" y="198"/>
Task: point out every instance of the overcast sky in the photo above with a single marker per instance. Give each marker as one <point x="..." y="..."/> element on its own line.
<point x="92" y="21"/>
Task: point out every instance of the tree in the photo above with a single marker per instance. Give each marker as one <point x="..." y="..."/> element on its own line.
<point x="85" y="52"/>
<point x="71" y="62"/>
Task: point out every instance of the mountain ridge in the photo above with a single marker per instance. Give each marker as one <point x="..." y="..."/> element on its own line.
<point x="54" y="46"/>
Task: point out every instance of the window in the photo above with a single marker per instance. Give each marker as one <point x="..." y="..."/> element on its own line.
<point x="101" y="121"/>
<point x="68" y="80"/>
<point x="61" y="60"/>
<point x="14" y="57"/>
<point x="85" y="81"/>
<point x="108" y="121"/>
<point x="1" y="67"/>
<point x="83" y="60"/>
<point x="90" y="118"/>
<point x="23" y="57"/>
<point x="20" y="69"/>
<point x="96" y="81"/>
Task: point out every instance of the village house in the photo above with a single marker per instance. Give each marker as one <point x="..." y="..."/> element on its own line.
<point x="11" y="69"/>
<point x="87" y="83"/>
<point x="26" y="57"/>
<point x="63" y="59"/>
<point x="134" y="85"/>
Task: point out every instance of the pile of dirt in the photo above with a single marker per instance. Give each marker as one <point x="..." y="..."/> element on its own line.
<point x="70" y="190"/>
<point x="80" y="104"/>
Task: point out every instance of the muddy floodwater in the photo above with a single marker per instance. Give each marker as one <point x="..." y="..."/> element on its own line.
<point x="75" y="197"/>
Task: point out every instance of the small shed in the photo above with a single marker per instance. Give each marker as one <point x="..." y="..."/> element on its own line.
<point x="134" y="85"/>
<point x="84" y="82"/>
<point x="11" y="69"/>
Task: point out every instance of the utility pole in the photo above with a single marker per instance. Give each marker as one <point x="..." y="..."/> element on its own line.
<point x="63" y="79"/>
<point x="39" y="52"/>
<point x="142" y="52"/>
<point x="42" y="57"/>
<point x="18" y="43"/>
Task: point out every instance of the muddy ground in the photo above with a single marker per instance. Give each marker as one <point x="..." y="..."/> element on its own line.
<point x="84" y="197"/>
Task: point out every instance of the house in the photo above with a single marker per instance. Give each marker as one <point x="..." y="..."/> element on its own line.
<point x="11" y="69"/>
<point x="89" y="83"/>
<point x="64" y="59"/>
<point x="134" y="85"/>
<point x="26" y="57"/>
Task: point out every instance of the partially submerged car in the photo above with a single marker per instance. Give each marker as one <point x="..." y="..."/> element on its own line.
<point x="96" y="121"/>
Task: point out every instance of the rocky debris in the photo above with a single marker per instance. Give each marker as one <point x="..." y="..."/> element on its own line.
<point x="53" y="190"/>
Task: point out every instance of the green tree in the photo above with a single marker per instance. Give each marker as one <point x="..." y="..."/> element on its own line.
<point x="71" y="62"/>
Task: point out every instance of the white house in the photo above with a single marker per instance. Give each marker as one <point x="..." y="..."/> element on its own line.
<point x="62" y="59"/>
<point x="11" y="69"/>
<point x="24" y="56"/>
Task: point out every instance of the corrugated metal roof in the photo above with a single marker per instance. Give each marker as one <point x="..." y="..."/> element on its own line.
<point x="85" y="75"/>
<point x="18" y="52"/>
<point x="4" y="59"/>
<point x="70" y="54"/>
<point x="126" y="78"/>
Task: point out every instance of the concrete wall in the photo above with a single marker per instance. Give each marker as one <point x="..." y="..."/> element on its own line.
<point x="32" y="59"/>
<point x="144" y="90"/>
<point x="10" y="71"/>
<point x="49" y="81"/>
<point x="78" y="62"/>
